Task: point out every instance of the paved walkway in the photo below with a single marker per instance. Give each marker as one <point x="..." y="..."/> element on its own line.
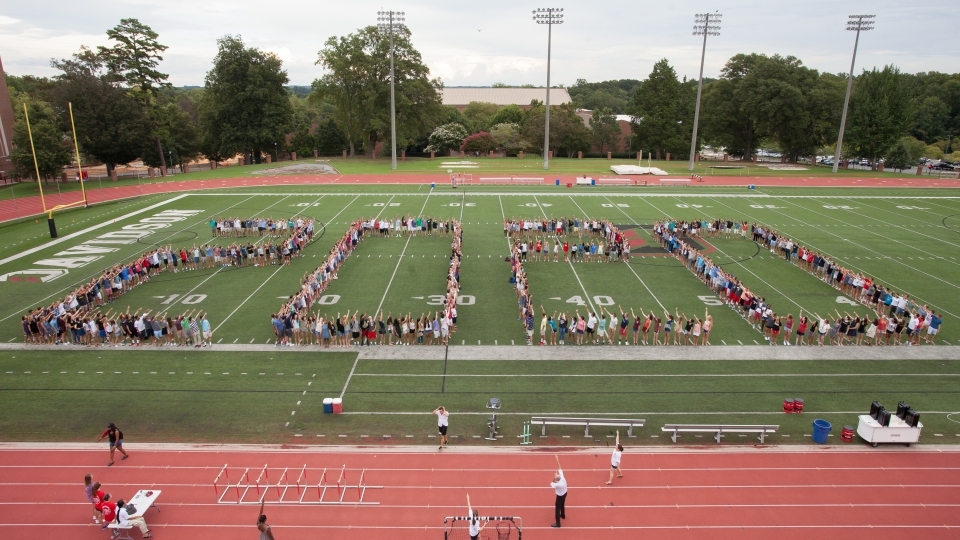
<point x="609" y="353"/>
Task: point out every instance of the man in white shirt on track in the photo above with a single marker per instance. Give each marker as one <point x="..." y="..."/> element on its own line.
<point x="559" y="485"/>
<point x="443" y="422"/>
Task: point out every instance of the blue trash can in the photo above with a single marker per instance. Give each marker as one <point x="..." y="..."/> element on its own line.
<point x="328" y="405"/>
<point x="433" y="185"/>
<point x="820" y="430"/>
<point x="558" y="181"/>
<point x="593" y="182"/>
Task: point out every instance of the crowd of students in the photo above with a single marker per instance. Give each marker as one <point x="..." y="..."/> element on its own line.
<point x="96" y="328"/>
<point x="890" y="316"/>
<point x="236" y="227"/>
<point x="604" y="242"/>
<point x="295" y="323"/>
<point x="79" y="312"/>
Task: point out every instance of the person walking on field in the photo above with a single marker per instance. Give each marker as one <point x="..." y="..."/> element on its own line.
<point x="266" y="533"/>
<point x="443" y="422"/>
<point x="615" y="460"/>
<point x="559" y="485"/>
<point x="116" y="441"/>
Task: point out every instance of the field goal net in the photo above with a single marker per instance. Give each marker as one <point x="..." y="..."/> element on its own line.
<point x="494" y="528"/>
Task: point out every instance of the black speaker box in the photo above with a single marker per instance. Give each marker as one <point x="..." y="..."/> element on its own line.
<point x="912" y="418"/>
<point x="902" y="409"/>
<point x="874" y="409"/>
<point x="883" y="417"/>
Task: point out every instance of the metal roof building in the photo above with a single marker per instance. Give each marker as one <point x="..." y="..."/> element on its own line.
<point x="460" y="96"/>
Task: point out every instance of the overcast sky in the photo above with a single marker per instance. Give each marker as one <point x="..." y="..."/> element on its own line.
<point x="480" y="43"/>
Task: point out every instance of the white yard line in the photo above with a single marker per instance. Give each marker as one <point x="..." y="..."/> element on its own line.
<point x="886" y="223"/>
<point x="77" y="283"/>
<point x="586" y="296"/>
<point x="628" y="264"/>
<point x="71" y="236"/>
<point x="849" y="264"/>
<point x="382" y="299"/>
<point x="247" y="299"/>
<point x="765" y="282"/>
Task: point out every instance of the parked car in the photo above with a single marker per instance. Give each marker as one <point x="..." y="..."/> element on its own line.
<point x="941" y="166"/>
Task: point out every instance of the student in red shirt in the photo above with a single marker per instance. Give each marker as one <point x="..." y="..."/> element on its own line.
<point x="108" y="509"/>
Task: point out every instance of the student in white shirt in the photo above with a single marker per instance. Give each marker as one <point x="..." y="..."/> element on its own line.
<point x="126" y="520"/>
<point x="615" y="460"/>
<point x="443" y="422"/>
<point x="473" y="521"/>
<point x="559" y="485"/>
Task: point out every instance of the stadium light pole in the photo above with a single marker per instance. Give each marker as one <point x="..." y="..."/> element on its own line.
<point x="705" y="24"/>
<point x="855" y="23"/>
<point x="386" y="21"/>
<point x="549" y="17"/>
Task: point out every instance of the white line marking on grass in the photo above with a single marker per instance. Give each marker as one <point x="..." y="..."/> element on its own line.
<point x="906" y="217"/>
<point x="71" y="236"/>
<point x="628" y="265"/>
<point x="889" y="282"/>
<point x="389" y="283"/>
<point x="586" y="295"/>
<point x="269" y="278"/>
<point x="98" y="272"/>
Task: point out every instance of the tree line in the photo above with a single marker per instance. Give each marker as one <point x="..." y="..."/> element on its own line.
<point x="125" y="108"/>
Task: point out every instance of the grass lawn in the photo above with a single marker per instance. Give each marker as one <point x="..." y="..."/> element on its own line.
<point x="208" y="396"/>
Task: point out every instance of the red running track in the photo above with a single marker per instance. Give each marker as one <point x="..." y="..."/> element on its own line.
<point x="667" y="494"/>
<point x="11" y="209"/>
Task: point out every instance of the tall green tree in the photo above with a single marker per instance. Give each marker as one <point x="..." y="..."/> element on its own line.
<point x="358" y="81"/>
<point x="245" y="107"/>
<point x="879" y="113"/>
<point x="111" y="125"/>
<point x="134" y="58"/>
<point x="658" y="108"/>
<point x="771" y="100"/>
<point x="606" y="130"/>
<point x="480" y="114"/>
<point x="49" y="142"/>
<point x="508" y="114"/>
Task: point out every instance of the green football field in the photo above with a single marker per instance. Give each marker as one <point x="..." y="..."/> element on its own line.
<point x="906" y="239"/>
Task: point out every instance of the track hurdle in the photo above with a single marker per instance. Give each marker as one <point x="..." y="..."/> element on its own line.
<point x="283" y="488"/>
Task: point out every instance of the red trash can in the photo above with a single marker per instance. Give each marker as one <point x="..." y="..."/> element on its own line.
<point x="847" y="434"/>
<point x="337" y="405"/>
<point x="797" y="405"/>
<point x="788" y="405"/>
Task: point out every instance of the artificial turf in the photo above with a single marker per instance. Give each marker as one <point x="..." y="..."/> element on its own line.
<point x="163" y="396"/>
<point x="906" y="239"/>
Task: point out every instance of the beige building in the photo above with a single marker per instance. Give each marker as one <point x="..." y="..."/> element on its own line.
<point x="461" y="96"/>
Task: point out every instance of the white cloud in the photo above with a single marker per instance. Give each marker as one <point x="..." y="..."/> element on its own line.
<point x="618" y="39"/>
